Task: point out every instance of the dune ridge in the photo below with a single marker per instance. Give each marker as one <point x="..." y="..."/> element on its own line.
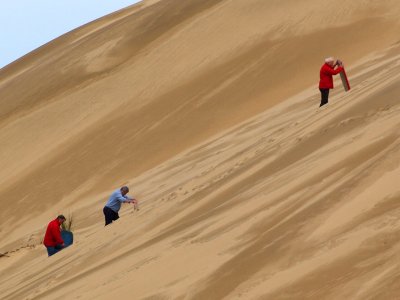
<point x="208" y="110"/>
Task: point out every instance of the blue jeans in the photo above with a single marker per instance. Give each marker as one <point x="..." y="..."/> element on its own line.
<point x="54" y="250"/>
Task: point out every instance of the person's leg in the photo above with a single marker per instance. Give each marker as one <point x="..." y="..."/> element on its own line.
<point x="108" y="214"/>
<point x="53" y="250"/>
<point x="324" y="96"/>
<point x="115" y="216"/>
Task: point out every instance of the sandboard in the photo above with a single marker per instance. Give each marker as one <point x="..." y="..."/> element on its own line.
<point x="345" y="81"/>
<point x="67" y="237"/>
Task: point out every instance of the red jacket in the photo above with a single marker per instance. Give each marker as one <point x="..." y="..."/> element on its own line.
<point x="325" y="75"/>
<point x="53" y="234"/>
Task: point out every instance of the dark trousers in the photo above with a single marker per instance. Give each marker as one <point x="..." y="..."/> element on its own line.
<point x="54" y="250"/>
<point x="110" y="215"/>
<point x="324" y="96"/>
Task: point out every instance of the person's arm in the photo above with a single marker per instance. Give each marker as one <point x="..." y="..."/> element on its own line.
<point x="125" y="199"/>
<point x="130" y="200"/>
<point x="334" y="71"/>
<point x="55" y="230"/>
<point x="134" y="201"/>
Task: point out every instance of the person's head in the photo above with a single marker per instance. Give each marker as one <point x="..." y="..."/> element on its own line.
<point x="124" y="190"/>
<point x="330" y="61"/>
<point x="61" y="219"/>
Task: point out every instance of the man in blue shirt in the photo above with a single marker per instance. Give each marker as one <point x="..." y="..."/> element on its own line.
<point x="114" y="204"/>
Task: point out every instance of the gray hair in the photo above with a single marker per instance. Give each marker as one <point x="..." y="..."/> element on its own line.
<point x="329" y="59"/>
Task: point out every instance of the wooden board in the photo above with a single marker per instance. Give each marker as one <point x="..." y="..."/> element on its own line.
<point x="345" y="80"/>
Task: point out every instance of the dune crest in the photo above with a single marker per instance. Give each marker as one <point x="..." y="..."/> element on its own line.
<point x="208" y="110"/>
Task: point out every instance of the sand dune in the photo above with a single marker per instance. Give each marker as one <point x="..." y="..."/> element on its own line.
<point x="208" y="110"/>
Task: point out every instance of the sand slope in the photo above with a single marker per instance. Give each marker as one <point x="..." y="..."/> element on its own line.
<point x="208" y="110"/>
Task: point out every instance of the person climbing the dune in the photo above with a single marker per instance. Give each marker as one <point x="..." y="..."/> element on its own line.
<point x="52" y="238"/>
<point x="326" y="77"/>
<point x="113" y="204"/>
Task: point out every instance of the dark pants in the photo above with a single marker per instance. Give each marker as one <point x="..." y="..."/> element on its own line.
<point x="53" y="250"/>
<point x="324" y="96"/>
<point x="110" y="215"/>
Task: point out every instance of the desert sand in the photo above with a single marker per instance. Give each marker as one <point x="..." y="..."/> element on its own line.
<point x="208" y="111"/>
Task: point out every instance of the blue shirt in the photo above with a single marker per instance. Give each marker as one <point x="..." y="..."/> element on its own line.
<point x="116" y="199"/>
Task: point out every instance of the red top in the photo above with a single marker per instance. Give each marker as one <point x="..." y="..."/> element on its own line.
<point x="53" y="234"/>
<point x="325" y="75"/>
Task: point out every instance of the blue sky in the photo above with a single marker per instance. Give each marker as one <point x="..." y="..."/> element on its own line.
<point x="28" y="24"/>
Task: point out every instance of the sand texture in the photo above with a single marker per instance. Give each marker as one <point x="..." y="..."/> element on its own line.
<point x="208" y="111"/>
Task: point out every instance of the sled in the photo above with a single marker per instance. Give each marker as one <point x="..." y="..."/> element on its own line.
<point x="67" y="237"/>
<point x="345" y="81"/>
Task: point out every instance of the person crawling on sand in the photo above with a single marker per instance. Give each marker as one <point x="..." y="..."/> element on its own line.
<point x="52" y="239"/>
<point x="113" y="204"/>
<point x="326" y="77"/>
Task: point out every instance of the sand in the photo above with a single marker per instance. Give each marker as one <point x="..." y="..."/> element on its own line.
<point x="208" y="111"/>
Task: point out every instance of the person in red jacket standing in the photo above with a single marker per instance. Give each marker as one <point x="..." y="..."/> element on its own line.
<point x="326" y="77"/>
<point x="52" y="239"/>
